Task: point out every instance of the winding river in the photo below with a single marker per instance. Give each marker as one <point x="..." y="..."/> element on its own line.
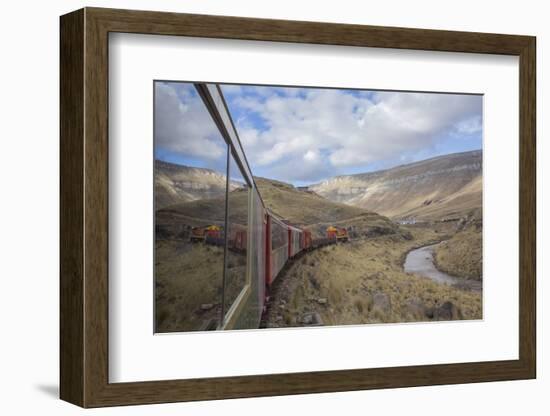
<point x="421" y="261"/>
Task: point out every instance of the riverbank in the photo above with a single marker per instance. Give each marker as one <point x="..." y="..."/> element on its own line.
<point x="363" y="282"/>
<point x="421" y="261"/>
<point x="462" y="255"/>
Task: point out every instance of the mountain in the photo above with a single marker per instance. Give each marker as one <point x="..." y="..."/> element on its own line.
<point x="315" y="212"/>
<point x="304" y="209"/>
<point x="177" y="183"/>
<point x="442" y="187"/>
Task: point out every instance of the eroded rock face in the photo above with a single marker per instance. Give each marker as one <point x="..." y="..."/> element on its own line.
<point x="176" y="184"/>
<point x="388" y="192"/>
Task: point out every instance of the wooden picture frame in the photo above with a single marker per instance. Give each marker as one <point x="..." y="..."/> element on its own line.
<point x="84" y="207"/>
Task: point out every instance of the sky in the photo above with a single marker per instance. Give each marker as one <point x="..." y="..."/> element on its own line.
<point x="306" y="135"/>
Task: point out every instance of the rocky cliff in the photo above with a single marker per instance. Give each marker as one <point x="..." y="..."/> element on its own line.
<point x="176" y="183"/>
<point x="443" y="187"/>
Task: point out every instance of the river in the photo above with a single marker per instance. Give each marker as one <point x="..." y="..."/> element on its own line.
<point x="420" y="261"/>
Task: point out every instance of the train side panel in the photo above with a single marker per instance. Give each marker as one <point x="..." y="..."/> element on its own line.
<point x="279" y="247"/>
<point x="267" y="251"/>
<point x="295" y="236"/>
<point x="305" y="243"/>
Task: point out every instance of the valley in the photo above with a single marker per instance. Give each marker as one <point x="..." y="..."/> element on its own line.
<point x="386" y="214"/>
<point x="364" y="282"/>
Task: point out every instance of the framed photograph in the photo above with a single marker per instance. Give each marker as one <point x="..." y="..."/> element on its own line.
<point x="256" y="207"/>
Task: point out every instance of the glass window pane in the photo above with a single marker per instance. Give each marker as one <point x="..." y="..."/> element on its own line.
<point x="190" y="197"/>
<point x="279" y="247"/>
<point x="279" y="237"/>
<point x="237" y="237"/>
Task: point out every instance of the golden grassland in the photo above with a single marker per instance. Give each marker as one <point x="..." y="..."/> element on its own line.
<point x="466" y="201"/>
<point x="187" y="276"/>
<point x="363" y="282"/>
<point x="188" y="284"/>
<point x="359" y="282"/>
<point x="462" y="255"/>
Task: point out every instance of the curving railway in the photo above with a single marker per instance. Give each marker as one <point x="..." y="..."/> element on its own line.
<point x="282" y="241"/>
<point x="263" y="241"/>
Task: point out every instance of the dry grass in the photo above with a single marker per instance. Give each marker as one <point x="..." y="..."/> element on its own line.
<point x="462" y="254"/>
<point x="465" y="202"/>
<point x="300" y="208"/>
<point x="363" y="282"/>
<point x="186" y="277"/>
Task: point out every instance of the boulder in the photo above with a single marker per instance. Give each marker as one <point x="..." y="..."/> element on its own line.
<point x="447" y="312"/>
<point x="307" y="319"/>
<point x="311" y="319"/>
<point x="381" y="302"/>
<point x="416" y="309"/>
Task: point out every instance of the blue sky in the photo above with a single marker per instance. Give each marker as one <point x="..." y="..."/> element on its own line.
<point x="306" y="135"/>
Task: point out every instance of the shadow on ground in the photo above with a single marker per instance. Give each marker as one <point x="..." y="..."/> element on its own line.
<point x="51" y="390"/>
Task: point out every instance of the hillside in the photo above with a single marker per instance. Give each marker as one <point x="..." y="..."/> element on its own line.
<point x="316" y="213"/>
<point x="443" y="187"/>
<point x="370" y="286"/>
<point x="300" y="208"/>
<point x="177" y="183"/>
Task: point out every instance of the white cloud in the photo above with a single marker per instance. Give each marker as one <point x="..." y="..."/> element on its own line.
<point x="296" y="134"/>
<point x="183" y="126"/>
<point x="311" y="156"/>
<point x="308" y="134"/>
<point x="469" y="126"/>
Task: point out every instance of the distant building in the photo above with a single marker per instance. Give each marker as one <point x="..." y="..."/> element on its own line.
<point x="303" y="188"/>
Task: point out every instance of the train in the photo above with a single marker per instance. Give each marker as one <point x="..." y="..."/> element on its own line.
<point x="338" y="233"/>
<point x="264" y="240"/>
<point x="282" y="241"/>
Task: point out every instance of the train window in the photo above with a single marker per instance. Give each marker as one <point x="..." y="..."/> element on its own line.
<point x="237" y="235"/>
<point x="190" y="180"/>
<point x="279" y="247"/>
<point x="279" y="236"/>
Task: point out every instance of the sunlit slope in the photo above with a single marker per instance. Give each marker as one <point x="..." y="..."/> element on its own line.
<point x="298" y="207"/>
<point x="177" y="183"/>
<point x="447" y="186"/>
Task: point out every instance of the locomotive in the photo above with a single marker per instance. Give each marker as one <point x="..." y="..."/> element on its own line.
<point x="337" y="233"/>
<point x="207" y="234"/>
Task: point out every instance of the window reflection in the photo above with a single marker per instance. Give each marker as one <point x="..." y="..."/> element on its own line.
<point x="279" y="246"/>
<point x="237" y="235"/>
<point x="190" y="198"/>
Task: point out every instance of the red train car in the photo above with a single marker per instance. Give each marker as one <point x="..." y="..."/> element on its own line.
<point x="306" y="240"/>
<point x="294" y="238"/>
<point x="283" y="241"/>
<point x="277" y="243"/>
